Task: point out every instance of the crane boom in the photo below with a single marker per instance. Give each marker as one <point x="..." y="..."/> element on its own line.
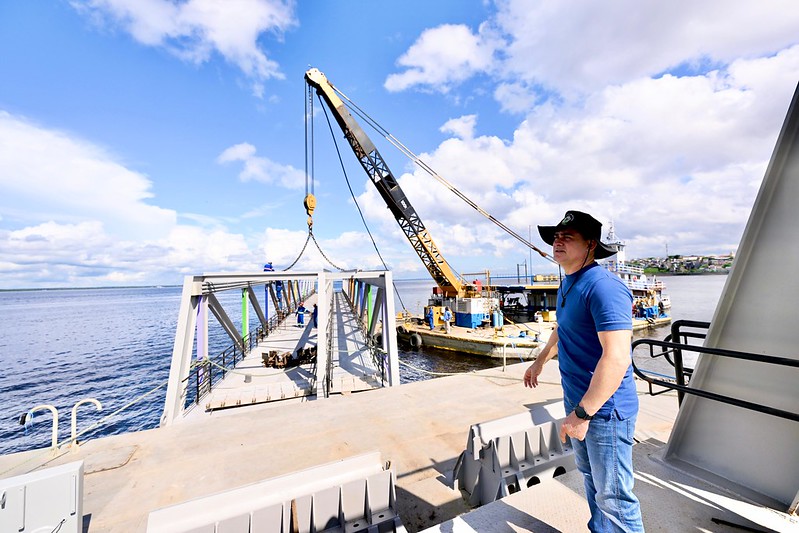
<point x="388" y="187"/>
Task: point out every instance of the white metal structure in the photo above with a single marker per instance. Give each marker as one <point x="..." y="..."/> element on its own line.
<point x="45" y="500"/>
<point x="370" y="293"/>
<point x="510" y="455"/>
<point x="757" y="454"/>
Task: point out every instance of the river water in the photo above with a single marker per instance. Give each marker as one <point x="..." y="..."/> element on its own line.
<point x="61" y="346"/>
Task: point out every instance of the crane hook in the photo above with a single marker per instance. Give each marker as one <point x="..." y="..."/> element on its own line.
<point x="310" y="205"/>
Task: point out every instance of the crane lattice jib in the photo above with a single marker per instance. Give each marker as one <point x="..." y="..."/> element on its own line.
<point x="392" y="194"/>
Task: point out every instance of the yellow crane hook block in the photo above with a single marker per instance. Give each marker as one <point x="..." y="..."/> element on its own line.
<point x="310" y="205"/>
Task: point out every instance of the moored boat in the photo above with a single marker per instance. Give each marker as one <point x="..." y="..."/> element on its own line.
<point x="508" y="341"/>
<point x="651" y="302"/>
<point x="536" y="300"/>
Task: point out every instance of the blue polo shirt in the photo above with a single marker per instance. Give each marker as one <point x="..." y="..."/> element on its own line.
<point x="596" y="300"/>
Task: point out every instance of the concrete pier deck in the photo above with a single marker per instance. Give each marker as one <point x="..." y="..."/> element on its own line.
<point x="421" y="428"/>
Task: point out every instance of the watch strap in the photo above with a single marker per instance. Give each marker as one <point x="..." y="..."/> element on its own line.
<point x="579" y="411"/>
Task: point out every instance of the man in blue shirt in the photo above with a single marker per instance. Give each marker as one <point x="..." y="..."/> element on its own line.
<point x="592" y="342"/>
<point x="447" y="317"/>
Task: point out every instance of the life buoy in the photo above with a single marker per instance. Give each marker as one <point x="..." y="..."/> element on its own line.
<point x="416" y="340"/>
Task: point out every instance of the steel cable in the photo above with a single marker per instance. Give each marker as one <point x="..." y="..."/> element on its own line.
<point x="301" y="251"/>
<point x="310" y="232"/>
<point x="354" y="199"/>
<point x="424" y="166"/>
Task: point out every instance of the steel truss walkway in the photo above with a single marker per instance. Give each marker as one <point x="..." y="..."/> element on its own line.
<point x="351" y="349"/>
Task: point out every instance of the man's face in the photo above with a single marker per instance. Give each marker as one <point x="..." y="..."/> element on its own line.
<point x="569" y="249"/>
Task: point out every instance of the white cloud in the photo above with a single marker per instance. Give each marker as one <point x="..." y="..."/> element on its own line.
<point x="348" y="250"/>
<point x="93" y="224"/>
<point x="443" y="56"/>
<point x="584" y="46"/>
<point x="515" y="97"/>
<point x="571" y="48"/>
<point x="196" y="29"/>
<point x="84" y="254"/>
<point x="196" y="249"/>
<point x="462" y="127"/>
<point x="38" y="242"/>
<point x="262" y="169"/>
<point x="663" y="123"/>
<point x="673" y="160"/>
<point x="53" y="172"/>
<point x="87" y="219"/>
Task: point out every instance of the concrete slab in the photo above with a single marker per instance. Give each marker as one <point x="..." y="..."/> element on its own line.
<point x="670" y="501"/>
<point x="420" y="428"/>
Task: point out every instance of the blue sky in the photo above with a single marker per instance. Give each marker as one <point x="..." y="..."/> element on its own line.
<point x="141" y="141"/>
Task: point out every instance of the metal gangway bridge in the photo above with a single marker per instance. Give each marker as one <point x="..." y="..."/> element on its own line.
<point x="347" y="345"/>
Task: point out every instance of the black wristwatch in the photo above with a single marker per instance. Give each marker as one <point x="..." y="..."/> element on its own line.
<point x="581" y="414"/>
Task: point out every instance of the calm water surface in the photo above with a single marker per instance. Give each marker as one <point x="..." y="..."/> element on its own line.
<point x="61" y="346"/>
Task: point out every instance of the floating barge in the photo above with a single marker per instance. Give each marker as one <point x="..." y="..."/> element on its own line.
<point x="524" y="301"/>
<point x="512" y="334"/>
<point x="518" y="342"/>
<point x="651" y="302"/>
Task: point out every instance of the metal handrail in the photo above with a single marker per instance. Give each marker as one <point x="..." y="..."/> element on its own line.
<point x="678" y="333"/>
<point x="375" y="352"/>
<point x="680" y="385"/>
<point x="205" y="373"/>
<point x="378" y="356"/>
<point x="328" y="377"/>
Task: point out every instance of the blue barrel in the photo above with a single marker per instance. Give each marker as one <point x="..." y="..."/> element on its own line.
<point x="497" y="320"/>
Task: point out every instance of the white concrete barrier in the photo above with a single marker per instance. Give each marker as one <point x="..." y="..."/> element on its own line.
<point x="352" y="495"/>
<point x="45" y="500"/>
<point x="508" y="455"/>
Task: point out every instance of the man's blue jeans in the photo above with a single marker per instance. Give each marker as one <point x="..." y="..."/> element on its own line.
<point x="605" y="458"/>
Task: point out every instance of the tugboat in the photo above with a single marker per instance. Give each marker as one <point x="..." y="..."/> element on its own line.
<point x="651" y="303"/>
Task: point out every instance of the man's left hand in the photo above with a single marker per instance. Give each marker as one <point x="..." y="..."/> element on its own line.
<point x="573" y="427"/>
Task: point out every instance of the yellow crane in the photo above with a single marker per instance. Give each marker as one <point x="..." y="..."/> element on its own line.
<point x="391" y="192"/>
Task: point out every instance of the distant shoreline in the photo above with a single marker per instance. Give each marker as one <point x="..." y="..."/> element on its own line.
<point x="91" y="288"/>
<point x="722" y="273"/>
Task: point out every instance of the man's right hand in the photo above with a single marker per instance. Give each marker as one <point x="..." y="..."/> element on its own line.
<point x="532" y="373"/>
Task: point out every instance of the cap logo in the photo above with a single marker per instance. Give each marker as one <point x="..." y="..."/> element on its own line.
<point x="568" y="218"/>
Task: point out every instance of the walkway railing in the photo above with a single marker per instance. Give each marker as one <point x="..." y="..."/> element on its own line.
<point x="679" y="384"/>
<point x="188" y="385"/>
<point x="206" y="374"/>
<point x="378" y="355"/>
<point x="328" y="378"/>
